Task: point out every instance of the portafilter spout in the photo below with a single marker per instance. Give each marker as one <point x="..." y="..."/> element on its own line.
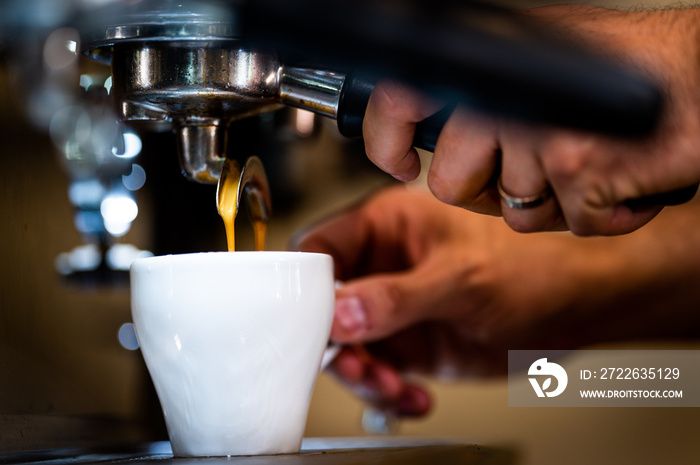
<point x="201" y="146"/>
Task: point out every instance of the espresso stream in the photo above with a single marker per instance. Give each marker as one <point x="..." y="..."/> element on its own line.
<point x="250" y="182"/>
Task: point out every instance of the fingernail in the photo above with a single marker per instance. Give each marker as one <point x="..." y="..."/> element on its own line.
<point x="406" y="405"/>
<point x="402" y="177"/>
<point x="350" y="313"/>
<point x="412" y="403"/>
<point x="405" y="177"/>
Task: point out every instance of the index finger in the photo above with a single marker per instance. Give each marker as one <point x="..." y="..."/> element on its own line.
<point x="389" y="126"/>
<point x="371" y="237"/>
<point x="340" y="236"/>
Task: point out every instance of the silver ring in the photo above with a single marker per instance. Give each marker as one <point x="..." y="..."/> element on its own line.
<point x="523" y="203"/>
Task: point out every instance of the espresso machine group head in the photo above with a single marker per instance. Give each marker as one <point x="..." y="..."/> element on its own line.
<point x="182" y="66"/>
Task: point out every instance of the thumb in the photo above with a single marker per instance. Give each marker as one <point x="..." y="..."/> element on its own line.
<point x="380" y="305"/>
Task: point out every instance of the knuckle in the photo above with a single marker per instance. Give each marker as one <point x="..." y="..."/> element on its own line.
<point x="563" y="169"/>
<point x="392" y="299"/>
<point x="396" y="102"/>
<point x="373" y="155"/>
<point x="446" y="191"/>
<point x="389" y="311"/>
<point x="521" y="223"/>
<point x="439" y="187"/>
<point x="581" y="230"/>
<point x="565" y="159"/>
<point x="389" y="161"/>
<point x="583" y="225"/>
<point x="389" y="102"/>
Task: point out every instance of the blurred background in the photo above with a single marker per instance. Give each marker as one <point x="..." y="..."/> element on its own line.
<point x="74" y="212"/>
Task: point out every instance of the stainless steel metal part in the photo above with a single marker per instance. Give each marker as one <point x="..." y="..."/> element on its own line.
<point x="311" y="89"/>
<point x="194" y="79"/>
<point x="196" y="88"/>
<point x="157" y="20"/>
<point x="201" y="145"/>
<point x="180" y="66"/>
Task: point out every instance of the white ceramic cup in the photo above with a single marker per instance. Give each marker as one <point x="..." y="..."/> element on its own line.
<point x="233" y="342"/>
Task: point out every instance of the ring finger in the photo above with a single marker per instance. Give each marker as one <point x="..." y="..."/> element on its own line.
<point x="527" y="201"/>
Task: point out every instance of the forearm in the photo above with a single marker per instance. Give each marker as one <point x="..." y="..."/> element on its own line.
<point x="643" y="285"/>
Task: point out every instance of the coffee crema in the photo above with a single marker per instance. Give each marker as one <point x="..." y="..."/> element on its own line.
<point x="234" y="183"/>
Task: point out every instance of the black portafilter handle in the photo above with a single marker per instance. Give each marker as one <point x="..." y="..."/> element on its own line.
<point x="351" y="112"/>
<point x="353" y="101"/>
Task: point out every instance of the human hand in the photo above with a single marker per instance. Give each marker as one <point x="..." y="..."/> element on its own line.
<point x="431" y="289"/>
<point x="597" y="180"/>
